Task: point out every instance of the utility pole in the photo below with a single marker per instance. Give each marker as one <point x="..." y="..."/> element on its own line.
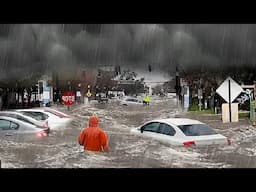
<point x="200" y="94"/>
<point x="69" y="89"/>
<point x="177" y="87"/>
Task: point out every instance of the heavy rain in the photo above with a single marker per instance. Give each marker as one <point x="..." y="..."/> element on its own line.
<point x="106" y="70"/>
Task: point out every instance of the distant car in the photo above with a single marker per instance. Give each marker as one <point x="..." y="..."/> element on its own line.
<point x="181" y="132"/>
<point x="23" y="117"/>
<point x="56" y="119"/>
<point x="131" y="101"/>
<point x="102" y="97"/>
<point x="116" y="94"/>
<point x="11" y="127"/>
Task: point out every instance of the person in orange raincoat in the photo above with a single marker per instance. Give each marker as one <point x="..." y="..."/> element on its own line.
<point x="92" y="137"/>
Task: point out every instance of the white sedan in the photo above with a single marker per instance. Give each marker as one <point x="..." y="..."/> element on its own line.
<point x="181" y="132"/>
<point x="10" y="126"/>
<point x="22" y="117"/>
<point x="131" y="101"/>
<point x="56" y="119"/>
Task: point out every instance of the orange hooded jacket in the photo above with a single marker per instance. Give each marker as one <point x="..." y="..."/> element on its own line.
<point x="92" y="137"/>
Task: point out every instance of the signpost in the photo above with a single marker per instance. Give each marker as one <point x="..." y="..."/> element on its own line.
<point x="200" y="97"/>
<point x="186" y="97"/>
<point x="87" y="95"/>
<point x="249" y="94"/>
<point x="78" y="96"/>
<point x="229" y="90"/>
<point x="68" y="98"/>
<point x="229" y="100"/>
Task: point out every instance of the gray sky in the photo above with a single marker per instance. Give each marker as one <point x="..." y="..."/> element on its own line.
<point x="30" y="48"/>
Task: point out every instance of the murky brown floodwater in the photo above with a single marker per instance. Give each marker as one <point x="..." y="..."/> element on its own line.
<point x="61" y="149"/>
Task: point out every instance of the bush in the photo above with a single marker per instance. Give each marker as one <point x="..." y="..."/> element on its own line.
<point x="208" y="111"/>
<point x="244" y="115"/>
<point x="194" y="105"/>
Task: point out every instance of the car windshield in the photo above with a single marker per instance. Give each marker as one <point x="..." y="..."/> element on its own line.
<point x="196" y="130"/>
<point x="36" y="115"/>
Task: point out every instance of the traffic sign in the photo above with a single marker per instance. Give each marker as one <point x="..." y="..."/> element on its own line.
<point x="68" y="98"/>
<point x="88" y="94"/>
<point x="229" y="90"/>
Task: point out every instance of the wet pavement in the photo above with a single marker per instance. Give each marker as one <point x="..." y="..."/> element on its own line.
<point x="61" y="150"/>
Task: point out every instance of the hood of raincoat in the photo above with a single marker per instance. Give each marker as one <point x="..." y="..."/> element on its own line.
<point x="93" y="121"/>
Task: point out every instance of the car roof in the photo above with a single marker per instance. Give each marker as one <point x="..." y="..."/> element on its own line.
<point x="17" y="113"/>
<point x="50" y="109"/>
<point x="179" y="121"/>
<point x="47" y="112"/>
<point x="44" y="108"/>
<point x="15" y="120"/>
<point x="35" y="110"/>
<point x="14" y="112"/>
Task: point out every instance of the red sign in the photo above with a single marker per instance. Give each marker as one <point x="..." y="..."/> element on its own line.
<point x="68" y="98"/>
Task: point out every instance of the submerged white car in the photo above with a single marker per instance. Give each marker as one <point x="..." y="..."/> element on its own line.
<point x="56" y="119"/>
<point x="22" y="117"/>
<point x="181" y="132"/>
<point x="10" y="126"/>
<point x="130" y="101"/>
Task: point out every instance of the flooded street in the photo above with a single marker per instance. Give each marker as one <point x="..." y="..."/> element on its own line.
<point x="61" y="150"/>
<point x="204" y="65"/>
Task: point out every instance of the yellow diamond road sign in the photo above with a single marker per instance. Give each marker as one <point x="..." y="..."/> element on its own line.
<point x="88" y="94"/>
<point x="235" y="90"/>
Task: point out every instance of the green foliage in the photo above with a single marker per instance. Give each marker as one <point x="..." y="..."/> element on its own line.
<point x="194" y="105"/>
<point x="244" y="115"/>
<point x="207" y="111"/>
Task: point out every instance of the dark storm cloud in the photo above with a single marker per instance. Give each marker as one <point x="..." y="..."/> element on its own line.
<point x="29" y="48"/>
<point x="228" y="44"/>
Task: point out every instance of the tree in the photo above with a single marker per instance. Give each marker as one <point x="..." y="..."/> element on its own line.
<point x="19" y="87"/>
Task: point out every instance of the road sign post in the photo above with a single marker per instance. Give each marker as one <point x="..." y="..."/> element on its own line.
<point x="229" y="100"/>
<point x="68" y="99"/>
<point x="200" y="104"/>
<point x="200" y="97"/>
<point x="229" y="90"/>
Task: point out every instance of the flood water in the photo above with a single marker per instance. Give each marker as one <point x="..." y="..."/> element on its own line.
<point x="61" y="150"/>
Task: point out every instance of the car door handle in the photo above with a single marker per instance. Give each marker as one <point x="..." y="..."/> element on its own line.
<point x="8" y="134"/>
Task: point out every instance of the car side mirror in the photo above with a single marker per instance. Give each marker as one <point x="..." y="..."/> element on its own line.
<point x="14" y="127"/>
<point x="141" y="130"/>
